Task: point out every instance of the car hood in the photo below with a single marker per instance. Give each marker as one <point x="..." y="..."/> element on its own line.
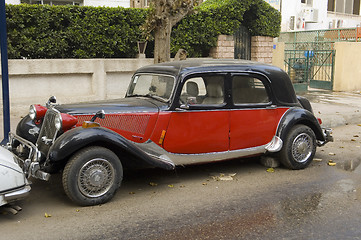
<point x="124" y="105"/>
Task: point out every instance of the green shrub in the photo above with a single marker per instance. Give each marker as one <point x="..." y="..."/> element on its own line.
<point x="43" y="31"/>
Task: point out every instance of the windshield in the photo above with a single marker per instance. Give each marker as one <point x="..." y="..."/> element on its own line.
<point x="150" y="85"/>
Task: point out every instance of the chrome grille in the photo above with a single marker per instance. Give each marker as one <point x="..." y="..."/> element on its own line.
<point x="48" y="131"/>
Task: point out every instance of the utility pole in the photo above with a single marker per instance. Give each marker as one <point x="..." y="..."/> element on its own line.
<point x="4" y="72"/>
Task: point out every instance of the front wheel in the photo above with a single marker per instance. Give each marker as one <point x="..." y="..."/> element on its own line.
<point x="92" y="176"/>
<point x="299" y="147"/>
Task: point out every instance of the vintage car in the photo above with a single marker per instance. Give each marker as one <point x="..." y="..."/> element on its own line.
<point x="13" y="183"/>
<point x="175" y="113"/>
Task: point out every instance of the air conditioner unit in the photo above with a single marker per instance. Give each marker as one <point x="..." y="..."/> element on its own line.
<point x="296" y="23"/>
<point x="292" y="23"/>
<point x="310" y="14"/>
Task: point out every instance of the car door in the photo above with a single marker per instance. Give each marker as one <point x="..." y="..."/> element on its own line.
<point x="254" y="119"/>
<point x="201" y="122"/>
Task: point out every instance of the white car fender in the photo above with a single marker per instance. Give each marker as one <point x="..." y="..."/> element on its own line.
<point x="12" y="178"/>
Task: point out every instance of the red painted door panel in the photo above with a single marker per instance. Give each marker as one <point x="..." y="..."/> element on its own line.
<point x="198" y="132"/>
<point x="253" y="127"/>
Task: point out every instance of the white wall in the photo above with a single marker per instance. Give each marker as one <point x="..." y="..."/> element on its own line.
<point x="290" y="8"/>
<point x="294" y="8"/>
<point x="70" y="80"/>
<point x="107" y="3"/>
<point x="12" y="1"/>
<point x="95" y="3"/>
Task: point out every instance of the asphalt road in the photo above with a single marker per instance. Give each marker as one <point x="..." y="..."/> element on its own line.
<point x="198" y="202"/>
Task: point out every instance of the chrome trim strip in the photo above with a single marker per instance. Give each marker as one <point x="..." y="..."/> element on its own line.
<point x="281" y="118"/>
<point x="155" y="151"/>
<point x="275" y="145"/>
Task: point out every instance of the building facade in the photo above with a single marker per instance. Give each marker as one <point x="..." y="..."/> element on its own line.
<point x="298" y="15"/>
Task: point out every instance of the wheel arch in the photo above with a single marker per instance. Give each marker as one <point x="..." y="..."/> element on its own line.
<point x="78" y="138"/>
<point x="296" y="116"/>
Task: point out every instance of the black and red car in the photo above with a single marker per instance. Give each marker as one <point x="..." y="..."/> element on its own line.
<point x="174" y="113"/>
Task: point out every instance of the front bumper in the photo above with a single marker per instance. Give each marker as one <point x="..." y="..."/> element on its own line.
<point x="15" y="195"/>
<point x="31" y="165"/>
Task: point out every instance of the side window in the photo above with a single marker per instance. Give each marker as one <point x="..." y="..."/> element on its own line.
<point x="205" y="90"/>
<point x="247" y="90"/>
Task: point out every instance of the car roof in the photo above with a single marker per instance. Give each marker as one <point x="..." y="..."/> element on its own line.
<point x="280" y="82"/>
<point x="199" y="65"/>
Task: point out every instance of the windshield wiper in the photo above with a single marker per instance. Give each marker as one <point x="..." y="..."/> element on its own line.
<point x="149" y="95"/>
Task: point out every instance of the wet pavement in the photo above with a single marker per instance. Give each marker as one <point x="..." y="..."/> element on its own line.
<point x="335" y="108"/>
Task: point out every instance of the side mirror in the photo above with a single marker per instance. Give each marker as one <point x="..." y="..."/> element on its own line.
<point x="100" y="114"/>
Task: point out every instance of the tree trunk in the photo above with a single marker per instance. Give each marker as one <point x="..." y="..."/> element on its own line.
<point x="162" y="43"/>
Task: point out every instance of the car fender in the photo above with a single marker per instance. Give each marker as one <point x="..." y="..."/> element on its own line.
<point x="296" y="116"/>
<point x="27" y="129"/>
<point x="77" y="138"/>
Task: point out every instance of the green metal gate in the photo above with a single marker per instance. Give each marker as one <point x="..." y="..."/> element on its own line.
<point x="310" y="55"/>
<point x="314" y="68"/>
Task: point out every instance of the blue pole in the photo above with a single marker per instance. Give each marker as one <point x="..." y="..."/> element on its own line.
<point x="4" y="72"/>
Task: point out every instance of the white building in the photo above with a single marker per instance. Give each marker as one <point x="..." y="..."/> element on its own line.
<point x="95" y="3"/>
<point x="317" y="14"/>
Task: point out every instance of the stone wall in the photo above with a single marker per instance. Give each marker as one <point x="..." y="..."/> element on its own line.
<point x="224" y="49"/>
<point x="261" y="49"/>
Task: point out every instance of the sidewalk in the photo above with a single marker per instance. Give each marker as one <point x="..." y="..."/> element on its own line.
<point x="335" y="108"/>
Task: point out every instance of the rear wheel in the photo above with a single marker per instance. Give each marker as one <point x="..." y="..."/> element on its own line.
<point x="92" y="176"/>
<point x="299" y="147"/>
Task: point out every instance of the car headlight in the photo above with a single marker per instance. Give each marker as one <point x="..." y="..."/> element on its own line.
<point x="58" y="121"/>
<point x="32" y="112"/>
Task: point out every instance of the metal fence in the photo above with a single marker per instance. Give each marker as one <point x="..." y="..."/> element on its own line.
<point x="319" y="39"/>
<point x="309" y="55"/>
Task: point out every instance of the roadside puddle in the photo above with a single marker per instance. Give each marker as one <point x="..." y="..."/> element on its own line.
<point x="351" y="165"/>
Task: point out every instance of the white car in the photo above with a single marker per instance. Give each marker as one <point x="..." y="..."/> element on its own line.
<point x="13" y="183"/>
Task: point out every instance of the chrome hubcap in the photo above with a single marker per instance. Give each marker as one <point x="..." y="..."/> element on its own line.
<point x="302" y="147"/>
<point x="96" y="177"/>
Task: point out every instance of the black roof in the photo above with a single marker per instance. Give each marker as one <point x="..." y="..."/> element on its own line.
<point x="279" y="80"/>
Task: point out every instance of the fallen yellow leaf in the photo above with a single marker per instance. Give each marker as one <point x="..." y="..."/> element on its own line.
<point x="271" y="170"/>
<point x="331" y="163"/>
<point x="153" y="184"/>
<point x="171" y="185"/>
<point x="317" y="159"/>
<point x="47" y="215"/>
